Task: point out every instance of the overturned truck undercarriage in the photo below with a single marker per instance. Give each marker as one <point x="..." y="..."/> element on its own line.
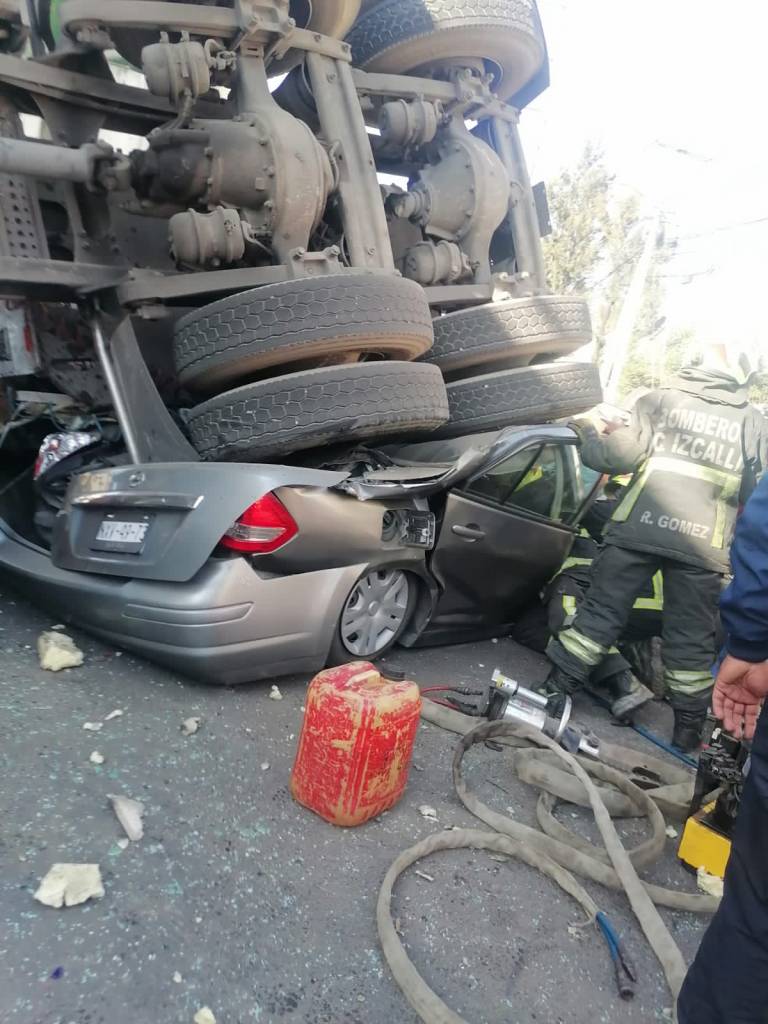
<point x="235" y="281"/>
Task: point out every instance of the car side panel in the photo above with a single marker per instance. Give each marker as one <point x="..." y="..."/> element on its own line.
<point x="336" y="529"/>
<point x="487" y="580"/>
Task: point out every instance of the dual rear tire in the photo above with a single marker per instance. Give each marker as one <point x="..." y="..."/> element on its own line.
<point x="316" y="361"/>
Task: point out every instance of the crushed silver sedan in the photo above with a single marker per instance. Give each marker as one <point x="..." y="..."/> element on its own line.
<point x="237" y="572"/>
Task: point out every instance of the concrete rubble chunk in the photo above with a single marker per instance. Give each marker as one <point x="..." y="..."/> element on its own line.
<point x="128" y="813"/>
<point x="274" y="693"/>
<point x="204" y="1016"/>
<point x="58" y="651"/>
<point x="67" y="885"/>
<point x="190" y="726"/>
<point x="710" y="884"/>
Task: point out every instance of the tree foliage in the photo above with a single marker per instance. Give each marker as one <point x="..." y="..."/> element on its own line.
<point x="597" y="239"/>
<point x="758" y="392"/>
<point x="578" y="206"/>
<point x="652" y="364"/>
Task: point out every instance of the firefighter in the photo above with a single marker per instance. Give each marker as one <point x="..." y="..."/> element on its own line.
<point x="696" y="449"/>
<point x="612" y="678"/>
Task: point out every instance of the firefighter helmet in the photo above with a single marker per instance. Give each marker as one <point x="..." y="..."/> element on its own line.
<point x="736" y="360"/>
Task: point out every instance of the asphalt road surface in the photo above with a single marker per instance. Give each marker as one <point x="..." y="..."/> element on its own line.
<point x="237" y="898"/>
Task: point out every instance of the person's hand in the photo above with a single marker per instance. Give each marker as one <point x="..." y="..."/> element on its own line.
<point x="740" y="688"/>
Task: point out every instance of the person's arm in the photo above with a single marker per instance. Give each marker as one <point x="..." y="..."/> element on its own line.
<point x="625" y="449"/>
<point x="742" y="680"/>
<point x="744" y="605"/>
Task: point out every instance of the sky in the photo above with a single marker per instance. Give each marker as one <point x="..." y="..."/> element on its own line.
<point x="674" y="92"/>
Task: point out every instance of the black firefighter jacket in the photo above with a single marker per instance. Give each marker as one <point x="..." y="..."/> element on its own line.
<point x="696" y="449"/>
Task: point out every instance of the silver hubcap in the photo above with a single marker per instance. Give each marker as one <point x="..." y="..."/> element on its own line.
<point x="374" y="612"/>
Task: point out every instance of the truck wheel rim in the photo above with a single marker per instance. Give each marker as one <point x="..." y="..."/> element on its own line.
<point x="374" y="612"/>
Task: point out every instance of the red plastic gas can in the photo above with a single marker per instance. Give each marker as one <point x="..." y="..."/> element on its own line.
<point x="356" y="743"/>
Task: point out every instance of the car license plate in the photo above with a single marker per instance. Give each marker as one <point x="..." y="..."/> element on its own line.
<point x="126" y="535"/>
<point x="122" y="533"/>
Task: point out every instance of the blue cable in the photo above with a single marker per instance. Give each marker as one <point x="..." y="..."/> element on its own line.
<point x="622" y="966"/>
<point x="609" y="933"/>
<point x="652" y="737"/>
<point x="691" y="762"/>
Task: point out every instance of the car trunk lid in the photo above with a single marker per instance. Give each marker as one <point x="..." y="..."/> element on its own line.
<point x="162" y="521"/>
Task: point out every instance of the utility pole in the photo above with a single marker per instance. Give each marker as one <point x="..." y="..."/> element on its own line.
<point x="618" y="342"/>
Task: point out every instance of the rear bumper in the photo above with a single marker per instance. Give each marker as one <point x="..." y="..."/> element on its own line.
<point x="228" y="624"/>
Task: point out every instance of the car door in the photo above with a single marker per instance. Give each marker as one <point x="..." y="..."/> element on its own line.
<point x="503" y="535"/>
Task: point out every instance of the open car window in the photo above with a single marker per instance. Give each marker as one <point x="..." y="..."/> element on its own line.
<point x="543" y="480"/>
<point x="499" y="483"/>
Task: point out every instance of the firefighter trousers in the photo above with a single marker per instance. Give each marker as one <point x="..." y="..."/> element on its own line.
<point x="728" y="981"/>
<point x="688" y="622"/>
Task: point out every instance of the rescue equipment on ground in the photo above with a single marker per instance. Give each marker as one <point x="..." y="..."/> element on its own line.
<point x="637" y="785"/>
<point x="723" y="767"/>
<point x="507" y="699"/>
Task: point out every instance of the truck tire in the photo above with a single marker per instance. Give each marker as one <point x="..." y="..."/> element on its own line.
<point x="403" y="36"/>
<point x="530" y="394"/>
<point x="311" y="320"/>
<point x="514" y="332"/>
<point x="272" y="418"/>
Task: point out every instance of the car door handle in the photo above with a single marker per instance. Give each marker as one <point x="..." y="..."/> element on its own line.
<point x="470" y="532"/>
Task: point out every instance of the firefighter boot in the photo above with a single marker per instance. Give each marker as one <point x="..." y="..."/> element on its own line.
<point x="625" y="693"/>
<point x="690" y="717"/>
<point x="560" y="682"/>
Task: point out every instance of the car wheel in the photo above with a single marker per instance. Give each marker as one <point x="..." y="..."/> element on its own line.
<point x="530" y="394"/>
<point x="402" y="36"/>
<point x="311" y="321"/>
<point x="272" y="418"/>
<point x="507" y="334"/>
<point x="374" y="615"/>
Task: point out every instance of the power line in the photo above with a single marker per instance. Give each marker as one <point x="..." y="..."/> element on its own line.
<point x="726" y="227"/>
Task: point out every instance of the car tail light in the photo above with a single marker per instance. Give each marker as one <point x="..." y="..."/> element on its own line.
<point x="265" y="526"/>
<point x="56" y="447"/>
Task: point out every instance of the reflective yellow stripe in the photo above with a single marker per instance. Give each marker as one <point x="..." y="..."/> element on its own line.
<point x="569" y="604"/>
<point x="729" y="483"/>
<point x="587" y="651"/>
<point x="572" y="560"/>
<point x="629" y="500"/>
<point x="687" y="680"/>
<point x="730" y="490"/>
<point x="531" y="477"/>
<point x="655" y="603"/>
